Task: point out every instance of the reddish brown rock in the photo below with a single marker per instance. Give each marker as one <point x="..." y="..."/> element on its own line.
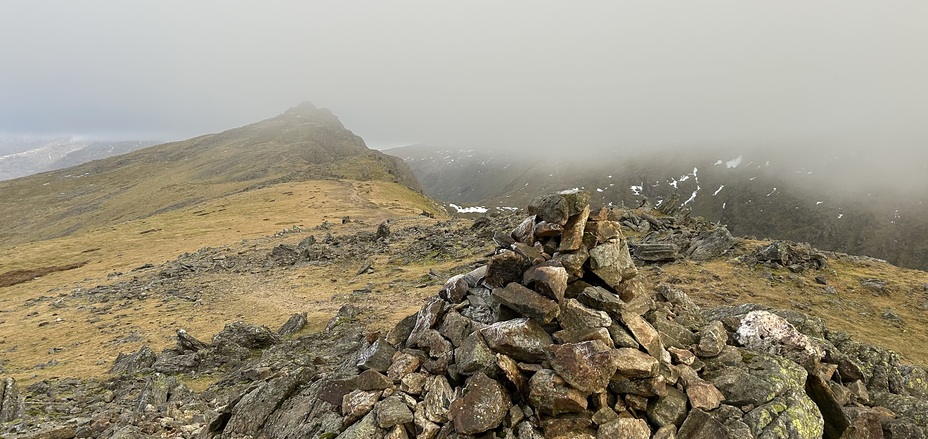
<point x="587" y="366"/>
<point x="550" y="280"/>
<point x="572" y="236"/>
<point x="505" y="267"/>
<point x="644" y="333"/>
<point x="633" y="363"/>
<point x="625" y="428"/>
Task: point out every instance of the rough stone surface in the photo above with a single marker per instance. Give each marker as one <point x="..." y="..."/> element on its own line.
<point x="625" y="428"/>
<point x="522" y="339"/>
<point x="482" y="407"/>
<point x="550" y="394"/>
<point x="527" y="302"/>
<point x="586" y="366"/>
<point x="611" y="262"/>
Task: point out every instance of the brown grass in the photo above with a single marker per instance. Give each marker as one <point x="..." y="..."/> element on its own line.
<point x="14" y="277"/>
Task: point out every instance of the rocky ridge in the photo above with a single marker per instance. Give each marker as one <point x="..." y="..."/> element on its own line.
<point x="552" y="337"/>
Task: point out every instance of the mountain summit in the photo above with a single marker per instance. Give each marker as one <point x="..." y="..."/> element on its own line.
<point x="304" y="143"/>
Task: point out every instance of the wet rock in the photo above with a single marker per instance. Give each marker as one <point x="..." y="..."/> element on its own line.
<point x="549" y="393"/>
<point x="586" y="366"/>
<point x="522" y="339"/>
<point x="482" y="407"/>
<point x="294" y="324"/>
<point x="527" y="302"/>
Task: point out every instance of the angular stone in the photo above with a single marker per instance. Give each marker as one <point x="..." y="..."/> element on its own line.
<point x="550" y="394"/>
<point x="621" y="338"/>
<point x="372" y="380"/>
<point x="403" y="364"/>
<point x="428" y="315"/>
<point x="474" y="355"/>
<point x="644" y="387"/>
<point x="573" y="261"/>
<point x="454" y="289"/>
<point x="397" y="432"/>
<point x="587" y="366"/>
<point x="357" y="404"/>
<point x="644" y="333"/>
<point x="625" y="428"/>
<point x="511" y="369"/>
<point x="437" y="400"/>
<point x="572" y="236"/>
<point x="605" y="230"/>
<point x="392" y="411"/>
<point x="527" y="302"/>
<point x="836" y="422"/>
<point x="378" y="356"/>
<point x="665" y="432"/>
<point x="682" y="356"/>
<point x="455" y="327"/>
<point x="699" y="425"/>
<point x="669" y="409"/>
<point x="533" y="254"/>
<point x="767" y="332"/>
<point x="581" y="335"/>
<point x="661" y="252"/>
<point x="413" y="383"/>
<point x="546" y="230"/>
<point x="522" y="339"/>
<point x="712" y="339"/>
<point x="602" y="299"/>
<point x="576" y="316"/>
<point x="605" y="415"/>
<point x="482" y="407"/>
<point x="400" y="333"/>
<point x="505" y="267"/>
<point x="557" y="208"/>
<point x="525" y="231"/>
<point x="439" y="349"/>
<point x="711" y="244"/>
<point x="611" y="262"/>
<point x="366" y="428"/>
<point x="672" y="333"/>
<point x="550" y="280"/>
<point x="572" y="426"/>
<point x="704" y="395"/>
<point x="633" y="363"/>
<point x="187" y="342"/>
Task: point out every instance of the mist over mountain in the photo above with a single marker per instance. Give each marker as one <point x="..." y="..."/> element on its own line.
<point x="32" y="156"/>
<point x="860" y="202"/>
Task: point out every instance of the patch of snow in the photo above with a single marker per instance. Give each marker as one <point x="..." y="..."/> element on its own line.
<point x="840" y="215"/>
<point x="818" y="202"/>
<point x="771" y="192"/>
<point x="723" y="205"/>
<point x="506" y="208"/>
<point x="598" y="190"/>
<point x="767" y="164"/>
<point x="692" y="197"/>
<point x="733" y="163"/>
<point x="637" y="189"/>
<point x="673" y="183"/>
<point x="569" y="191"/>
<point x="719" y="190"/>
<point x="609" y="176"/>
<point x="752" y="178"/>
<point x="685" y="177"/>
<point x="474" y="209"/>
<point x="717" y="163"/>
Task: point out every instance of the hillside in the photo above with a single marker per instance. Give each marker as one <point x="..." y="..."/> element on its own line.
<point x="304" y="143"/>
<point x="843" y="203"/>
<point x="337" y="375"/>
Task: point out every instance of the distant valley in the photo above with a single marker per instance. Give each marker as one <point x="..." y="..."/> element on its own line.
<point x="22" y="157"/>
<point x="842" y="203"/>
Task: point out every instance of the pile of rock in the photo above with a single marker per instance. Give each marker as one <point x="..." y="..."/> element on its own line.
<point x="553" y="337"/>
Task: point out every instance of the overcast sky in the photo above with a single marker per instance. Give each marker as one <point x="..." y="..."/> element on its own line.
<point x="842" y="73"/>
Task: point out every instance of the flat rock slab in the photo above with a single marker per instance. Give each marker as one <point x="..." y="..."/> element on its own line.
<point x="587" y="366"/>
<point x="527" y="302"/>
<point x="522" y="339"/>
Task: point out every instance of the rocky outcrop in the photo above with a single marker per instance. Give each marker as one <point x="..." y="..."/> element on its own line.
<point x="546" y="340"/>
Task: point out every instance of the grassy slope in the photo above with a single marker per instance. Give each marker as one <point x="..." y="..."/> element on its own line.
<point x="30" y="328"/>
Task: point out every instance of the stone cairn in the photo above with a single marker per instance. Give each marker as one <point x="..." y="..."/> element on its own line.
<point x="553" y="337"/>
